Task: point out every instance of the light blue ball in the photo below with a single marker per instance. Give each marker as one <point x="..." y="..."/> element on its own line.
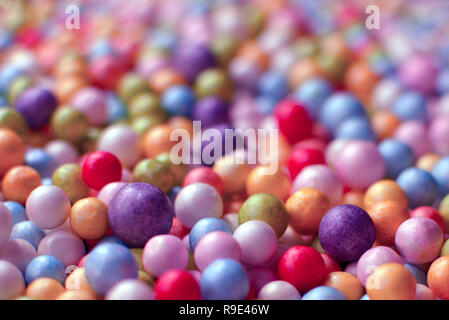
<point x="419" y="275"/>
<point x="7" y="76"/>
<point x="273" y="84"/>
<point x="357" y="128"/>
<point x="338" y="108"/>
<point x="45" y="266"/>
<point x="178" y="100"/>
<point x="108" y="264"/>
<point x="41" y="161"/>
<point x="441" y="174"/>
<point x="397" y="156"/>
<point x="28" y="231"/>
<point x="224" y="279"/>
<point x="17" y="211"/>
<point x="324" y="293"/>
<point x="265" y="105"/>
<point x="203" y="227"/>
<point x="116" y="108"/>
<point x="312" y="94"/>
<point x="442" y="82"/>
<point x="410" y="105"/>
<point x="419" y="185"/>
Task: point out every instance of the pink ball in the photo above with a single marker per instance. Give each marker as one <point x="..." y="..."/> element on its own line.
<point x="257" y="240"/>
<point x="109" y="191"/>
<point x="320" y="177"/>
<point x="359" y="164"/>
<point x="352" y="268"/>
<point x="19" y="252"/>
<point x="423" y="293"/>
<point x="65" y="246"/>
<point x="414" y="134"/>
<point x="419" y="73"/>
<point x="279" y="290"/>
<point x="260" y="276"/>
<point x="232" y="219"/>
<point x="439" y="135"/>
<point x="92" y="102"/>
<point x="48" y="207"/>
<point x="6" y="225"/>
<point x="333" y="150"/>
<point x="130" y="289"/>
<point x="11" y="281"/>
<point x="164" y="252"/>
<point x="216" y="245"/>
<point x="62" y="151"/>
<point x="419" y="240"/>
<point x="66" y="226"/>
<point x="374" y="258"/>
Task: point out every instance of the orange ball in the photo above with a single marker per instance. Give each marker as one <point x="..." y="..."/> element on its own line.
<point x="252" y="52"/>
<point x="44" y="289"/>
<point x="77" y="295"/>
<point x="384" y="190"/>
<point x="387" y="217"/>
<point x="354" y="198"/>
<point x="346" y="283"/>
<point x="438" y="278"/>
<point x="306" y="207"/>
<point x="12" y="150"/>
<point x="67" y="86"/>
<point x="262" y="180"/>
<point x="384" y="124"/>
<point x="18" y="183"/>
<point x="428" y="161"/>
<point x="178" y="122"/>
<point x="164" y="78"/>
<point x="89" y="218"/>
<point x="303" y="70"/>
<point x="391" y="281"/>
<point x="361" y="80"/>
<point x="234" y="175"/>
<point x="157" y="141"/>
<point x="77" y="280"/>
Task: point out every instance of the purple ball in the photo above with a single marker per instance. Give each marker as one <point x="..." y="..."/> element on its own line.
<point x="346" y="232"/>
<point x="190" y="60"/>
<point x="211" y="111"/>
<point x="138" y="212"/>
<point x="36" y="105"/>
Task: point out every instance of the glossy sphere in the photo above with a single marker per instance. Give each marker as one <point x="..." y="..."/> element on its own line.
<point x="157" y="141"/>
<point x="108" y="192"/>
<point x="346" y="232"/>
<point x="11" y="281"/>
<point x="163" y="253"/>
<point x="17" y="212"/>
<point x="205" y="226"/>
<point x="419" y="240"/>
<point x="346" y="283"/>
<point x="89" y="218"/>
<point x="205" y="175"/>
<point x="293" y="121"/>
<point x="410" y="105"/>
<point x="41" y="161"/>
<point x="306" y="207"/>
<point x="397" y="156"/>
<point x="69" y="178"/>
<point x="178" y="100"/>
<point x="177" y="285"/>
<point x="233" y="175"/>
<point x="429" y="212"/>
<point x="312" y="93"/>
<point x="438" y="278"/>
<point x="155" y="172"/>
<point x="384" y="124"/>
<point x="138" y="212"/>
<point x="65" y="246"/>
<point x="324" y="293"/>
<point x="44" y="289"/>
<point x="164" y="78"/>
<point x="224" y="279"/>
<point x="278" y="290"/>
<point x="213" y="82"/>
<point x="303" y="267"/>
<point x="101" y="168"/>
<point x="441" y="174"/>
<point x="36" y="105"/>
<point x="45" y="266"/>
<point x="301" y="158"/>
<point x="69" y="124"/>
<point x="357" y="128"/>
<point x="48" y="207"/>
<point x="391" y="281"/>
<point x="262" y="180"/>
<point x="12" y="146"/>
<point x="414" y="134"/>
<point x="19" y="252"/>
<point x="211" y="111"/>
<point x="6" y="224"/>
<point x="130" y="289"/>
<point x="427" y="161"/>
<point x="267" y="208"/>
<point x="18" y="183"/>
<point x="420" y="187"/>
<point x="197" y="201"/>
<point x="384" y="190"/>
<point x="439" y="133"/>
<point x="27" y="231"/>
<point x="106" y="71"/>
<point x="107" y="264"/>
<point x="14" y="121"/>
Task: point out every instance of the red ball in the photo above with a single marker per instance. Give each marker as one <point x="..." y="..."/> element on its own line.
<point x="101" y="168"/>
<point x="303" y="267"/>
<point x="178" y="229"/>
<point x="177" y="285"/>
<point x="293" y="121"/>
<point x="205" y="175"/>
<point x="431" y="213"/>
<point x="303" y="157"/>
<point x="331" y="264"/>
<point x="106" y="71"/>
<point x="251" y="293"/>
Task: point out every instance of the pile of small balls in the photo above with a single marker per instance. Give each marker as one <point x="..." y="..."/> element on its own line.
<point x="92" y="207"/>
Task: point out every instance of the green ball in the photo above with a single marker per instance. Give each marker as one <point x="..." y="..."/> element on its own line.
<point x="155" y="172"/>
<point x="267" y="208"/>
<point x="131" y="85"/>
<point x="144" y="123"/>
<point x="179" y="170"/>
<point x="69" y="124"/>
<point x="213" y="82"/>
<point x="17" y="87"/>
<point x="13" y="120"/>
<point x="146" y="104"/>
<point x="445" y="249"/>
<point x="69" y="178"/>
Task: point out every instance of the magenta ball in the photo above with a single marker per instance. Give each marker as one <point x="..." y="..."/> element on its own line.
<point x="278" y="290"/>
<point x="439" y="134"/>
<point x="419" y="240"/>
<point x="19" y="252"/>
<point x="130" y="289"/>
<point x="216" y="245"/>
<point x="257" y="240"/>
<point x="48" y="207"/>
<point x="419" y="73"/>
<point x="12" y="284"/>
<point x="65" y="246"/>
<point x="260" y="276"/>
<point x="62" y="151"/>
<point x="6" y="224"/>
<point x="109" y="191"/>
<point x="163" y="253"/>
<point x="92" y="102"/>
<point x="359" y="164"/>
<point x="374" y="258"/>
<point x="414" y="134"/>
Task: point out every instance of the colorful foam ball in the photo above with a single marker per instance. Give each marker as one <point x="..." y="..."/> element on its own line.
<point x="41" y="161"/>
<point x="27" y="231"/>
<point x="178" y="100"/>
<point x="65" y="246"/>
<point x="130" y="289"/>
<point x="419" y="185"/>
<point x="391" y="281"/>
<point x="69" y="124"/>
<point x="324" y="293"/>
<point x="101" y="168"/>
<point x="410" y="105"/>
<point x="17" y="211"/>
<point x="89" y="218"/>
<point x="278" y="290"/>
<point x="69" y="178"/>
<point x="397" y="156"/>
<point x="13" y="120"/>
<point x="312" y="93"/>
<point x="346" y="283"/>
<point x="204" y="174"/>
<point x="438" y="134"/>
<point x="261" y="179"/>
<point x="154" y="172"/>
<point x="441" y="174"/>
<point x="177" y="285"/>
<point x="438" y="278"/>
<point x="211" y="111"/>
<point x="293" y="121"/>
<point x="44" y="289"/>
<point x="384" y="190"/>
<point x="429" y="212"/>
<point x="11" y="281"/>
<point x="6" y="224"/>
<point x="36" y="105"/>
<point x="205" y="226"/>
<point x="18" y="183"/>
<point x="301" y="158"/>
<point x="45" y="266"/>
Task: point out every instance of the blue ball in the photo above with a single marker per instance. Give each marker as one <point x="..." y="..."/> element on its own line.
<point x="419" y="185"/>
<point x="441" y="174"/>
<point x="7" y="76"/>
<point x="419" y="275"/>
<point x="203" y="227"/>
<point x="45" y="266"/>
<point x="397" y="156"/>
<point x="224" y="279"/>
<point x="273" y="84"/>
<point x="116" y="109"/>
<point x="41" y="161"/>
<point x="28" y="231"/>
<point x="338" y="108"/>
<point x="442" y="82"/>
<point x="312" y="94"/>
<point x="265" y="104"/>
<point x="17" y="211"/>
<point x="178" y="100"/>
<point x="324" y="293"/>
<point x="356" y="128"/>
<point x="410" y="105"/>
<point x="365" y="297"/>
<point x="109" y="263"/>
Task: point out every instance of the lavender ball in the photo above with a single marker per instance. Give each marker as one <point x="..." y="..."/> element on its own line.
<point x="211" y="111"/>
<point x="346" y="232"/>
<point x="138" y="212"/>
<point x="36" y="105"/>
<point x="190" y="60"/>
